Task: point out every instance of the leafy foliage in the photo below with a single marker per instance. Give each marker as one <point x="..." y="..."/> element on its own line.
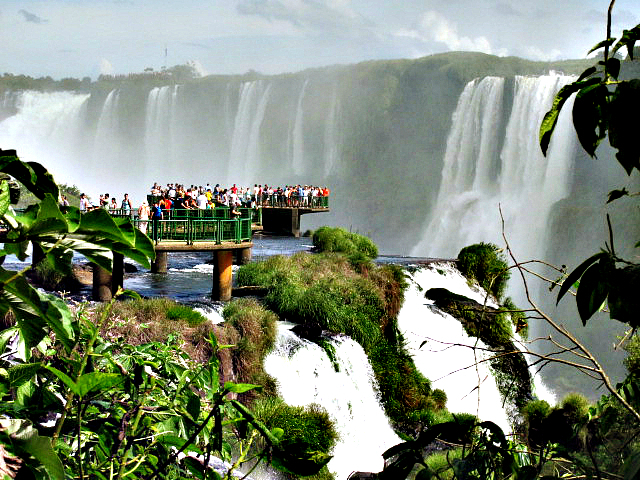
<point x="485" y="263"/>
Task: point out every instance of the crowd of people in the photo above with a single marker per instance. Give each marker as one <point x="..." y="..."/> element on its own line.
<point x="179" y="196"/>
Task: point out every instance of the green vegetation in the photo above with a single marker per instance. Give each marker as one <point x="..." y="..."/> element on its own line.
<point x="357" y="247"/>
<point x="484" y="263"/>
<point x="308" y="434"/>
<point x="325" y="292"/>
<point x="251" y="329"/>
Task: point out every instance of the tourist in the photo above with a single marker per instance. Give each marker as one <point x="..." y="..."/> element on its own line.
<point x="156" y="216"/>
<point x="143" y="216"/>
<point x="202" y="201"/>
<point x="113" y="206"/>
<point x="85" y="204"/>
<point x="125" y="205"/>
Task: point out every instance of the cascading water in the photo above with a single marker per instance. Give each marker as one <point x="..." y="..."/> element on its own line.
<point x="297" y="160"/>
<point x="331" y="135"/>
<point x="46" y="125"/>
<point x="306" y="375"/>
<point x="245" y="146"/>
<point x="445" y="354"/>
<point x="475" y="180"/>
<point x="451" y="359"/>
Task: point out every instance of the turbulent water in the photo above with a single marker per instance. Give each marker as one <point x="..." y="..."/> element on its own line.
<point x="347" y="390"/>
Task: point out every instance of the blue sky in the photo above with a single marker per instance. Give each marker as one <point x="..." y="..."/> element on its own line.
<point x="78" y="38"/>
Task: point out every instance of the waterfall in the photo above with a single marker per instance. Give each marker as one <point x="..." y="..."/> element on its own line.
<point x="297" y="160"/>
<point x="162" y="135"/>
<point x="331" y="135"/>
<point x="446" y="355"/>
<point x="245" y="143"/>
<point x="306" y="375"/>
<point x="447" y="358"/>
<point x="107" y="147"/>
<point x="475" y="179"/>
<point x="46" y="125"/>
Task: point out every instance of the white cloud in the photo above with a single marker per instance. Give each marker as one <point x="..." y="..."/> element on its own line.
<point x="105" y="67"/>
<point x="442" y="30"/>
<point x="434" y="27"/>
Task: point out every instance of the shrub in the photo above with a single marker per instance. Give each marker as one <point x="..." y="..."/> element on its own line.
<point x="307" y="431"/>
<point x="484" y="263"/>
<point x="336" y="239"/>
<point x="253" y="331"/>
<point x="183" y="312"/>
<point x="139" y="321"/>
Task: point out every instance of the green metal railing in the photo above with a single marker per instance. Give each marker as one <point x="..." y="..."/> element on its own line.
<point x="191" y="230"/>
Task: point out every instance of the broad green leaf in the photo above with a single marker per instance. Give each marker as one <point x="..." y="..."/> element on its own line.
<point x="90" y="382"/>
<point x="551" y="118"/>
<point x="628" y="39"/>
<point x="30" y="174"/>
<point x="587" y="73"/>
<point x="174" y="441"/>
<point x="240" y="387"/>
<point x="613" y="67"/>
<point x="22" y="373"/>
<point x="589" y="116"/>
<point x="5" y="199"/>
<point x="577" y="273"/>
<point x="6" y="336"/>
<point x="592" y="292"/>
<point x="622" y="130"/>
<point x="49" y="219"/>
<point x="66" y="379"/>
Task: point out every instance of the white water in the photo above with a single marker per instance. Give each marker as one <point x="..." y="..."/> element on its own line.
<point x="47" y="125"/>
<point x="476" y="180"/>
<point x="305" y="375"/>
<point x="297" y="160"/>
<point x="448" y="359"/>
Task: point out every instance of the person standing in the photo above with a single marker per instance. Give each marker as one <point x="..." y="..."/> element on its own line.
<point x="143" y="216"/>
<point x="156" y="216"/>
<point x="85" y="204"/>
<point x="126" y="205"/>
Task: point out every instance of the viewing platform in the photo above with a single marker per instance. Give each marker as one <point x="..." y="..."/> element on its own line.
<point x="275" y="214"/>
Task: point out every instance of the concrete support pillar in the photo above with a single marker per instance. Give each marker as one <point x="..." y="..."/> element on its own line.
<point x="244" y="256"/>
<point x="101" y="291"/>
<point x="222" y="275"/>
<point x="295" y="223"/>
<point x="159" y="265"/>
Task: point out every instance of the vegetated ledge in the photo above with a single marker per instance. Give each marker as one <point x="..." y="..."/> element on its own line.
<point x="491" y="326"/>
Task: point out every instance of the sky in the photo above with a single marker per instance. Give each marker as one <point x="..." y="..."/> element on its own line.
<point x="79" y="38"/>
